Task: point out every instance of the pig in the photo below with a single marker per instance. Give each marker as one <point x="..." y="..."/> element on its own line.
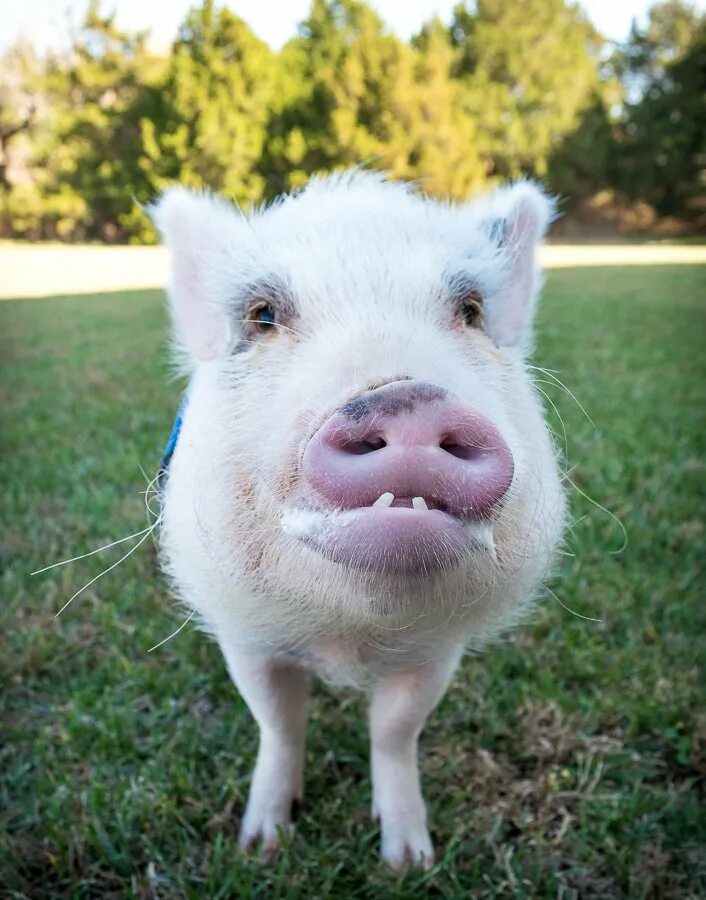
<point x="364" y="486"/>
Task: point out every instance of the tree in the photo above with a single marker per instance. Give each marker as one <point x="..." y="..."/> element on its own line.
<point x="350" y="106"/>
<point x="22" y="107"/>
<point x="97" y="95"/>
<point x="509" y="89"/>
<point x="528" y="70"/>
<point x="209" y="121"/>
<point x="445" y="146"/>
<point x="663" y="146"/>
<point x="18" y="105"/>
<point x="644" y="58"/>
<point x="359" y="95"/>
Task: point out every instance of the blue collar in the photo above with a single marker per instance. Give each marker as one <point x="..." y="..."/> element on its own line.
<point x="163" y="469"/>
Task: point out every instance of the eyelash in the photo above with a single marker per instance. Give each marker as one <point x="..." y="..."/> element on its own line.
<point x="471" y="308"/>
<point x="262" y="316"/>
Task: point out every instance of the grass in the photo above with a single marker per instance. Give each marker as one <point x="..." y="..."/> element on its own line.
<point x="567" y="762"/>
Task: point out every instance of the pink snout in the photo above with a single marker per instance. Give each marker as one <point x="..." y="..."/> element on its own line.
<point x="413" y="440"/>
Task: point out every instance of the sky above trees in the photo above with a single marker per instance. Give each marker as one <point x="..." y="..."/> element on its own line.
<point x="48" y="22"/>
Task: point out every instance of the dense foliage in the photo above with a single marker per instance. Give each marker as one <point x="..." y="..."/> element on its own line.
<point x="506" y="89"/>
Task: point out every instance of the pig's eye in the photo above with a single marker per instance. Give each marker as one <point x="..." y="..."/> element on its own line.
<point x="263" y="317"/>
<point x="471" y="309"/>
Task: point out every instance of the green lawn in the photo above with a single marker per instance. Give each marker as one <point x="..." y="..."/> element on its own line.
<point x="567" y="762"/>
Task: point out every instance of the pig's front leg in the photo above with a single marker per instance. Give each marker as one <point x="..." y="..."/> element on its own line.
<point x="276" y="693"/>
<point x="400" y="704"/>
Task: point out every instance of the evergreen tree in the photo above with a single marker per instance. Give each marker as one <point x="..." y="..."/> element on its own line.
<point x="662" y="156"/>
<point x="209" y="121"/>
<point x="96" y="99"/>
<point x="642" y="61"/>
<point x="529" y="70"/>
<point x="446" y="152"/>
<point x="22" y="112"/>
<point x="355" y="81"/>
<point x="510" y="88"/>
<point x="359" y="95"/>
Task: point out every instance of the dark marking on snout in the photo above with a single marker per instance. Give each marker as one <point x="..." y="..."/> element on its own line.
<point x="390" y="402"/>
<point x="382" y="382"/>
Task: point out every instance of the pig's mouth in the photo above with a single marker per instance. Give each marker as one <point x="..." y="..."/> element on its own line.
<point x="394" y="534"/>
<point x="405" y="478"/>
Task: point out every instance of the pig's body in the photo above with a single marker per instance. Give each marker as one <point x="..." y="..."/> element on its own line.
<point x="351" y="345"/>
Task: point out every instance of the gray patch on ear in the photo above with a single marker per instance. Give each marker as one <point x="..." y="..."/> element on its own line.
<point x="497" y="231"/>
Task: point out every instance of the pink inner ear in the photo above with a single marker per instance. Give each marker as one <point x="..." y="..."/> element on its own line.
<point x="203" y="328"/>
<point x="513" y="314"/>
<point x="197" y="229"/>
<point x="522" y="239"/>
<point x="204" y="331"/>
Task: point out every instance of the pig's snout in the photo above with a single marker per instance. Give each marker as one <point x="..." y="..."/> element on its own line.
<point x="411" y="440"/>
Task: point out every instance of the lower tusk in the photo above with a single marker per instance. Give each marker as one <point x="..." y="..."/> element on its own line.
<point x="384" y="499"/>
<point x="419" y="503"/>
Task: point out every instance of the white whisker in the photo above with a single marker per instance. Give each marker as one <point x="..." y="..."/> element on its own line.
<point x="606" y="511"/>
<point x="175" y="632"/>
<point x="110" y="568"/>
<point x="559" y="416"/>
<point x="144" y="474"/>
<point x="65" y="562"/>
<point x="568" y="608"/>
<point x="561" y="384"/>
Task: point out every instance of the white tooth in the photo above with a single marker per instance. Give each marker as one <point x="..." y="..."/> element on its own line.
<point x="483" y="535"/>
<point x="384" y="499"/>
<point x="419" y="503"/>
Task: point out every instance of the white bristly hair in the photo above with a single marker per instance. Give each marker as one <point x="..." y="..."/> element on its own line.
<point x="364" y="272"/>
<point x="282" y="317"/>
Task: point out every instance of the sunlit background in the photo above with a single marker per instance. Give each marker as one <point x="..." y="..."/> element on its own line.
<point x="103" y="105"/>
<point x="567" y="762"/>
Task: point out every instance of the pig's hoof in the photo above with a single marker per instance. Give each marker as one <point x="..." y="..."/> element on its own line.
<point x="264" y="829"/>
<point x="407" y="845"/>
<point x="264" y="837"/>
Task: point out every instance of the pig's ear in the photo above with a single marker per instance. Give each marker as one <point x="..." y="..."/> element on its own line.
<point x="199" y="231"/>
<point x="517" y="218"/>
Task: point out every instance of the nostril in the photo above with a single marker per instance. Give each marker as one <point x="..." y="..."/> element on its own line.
<point x="358" y="448"/>
<point x="399" y="446"/>
<point x="460" y="451"/>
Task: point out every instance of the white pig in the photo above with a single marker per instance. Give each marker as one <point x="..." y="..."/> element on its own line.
<point x="363" y="485"/>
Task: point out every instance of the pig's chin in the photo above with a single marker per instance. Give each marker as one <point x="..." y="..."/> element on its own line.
<point x="399" y="540"/>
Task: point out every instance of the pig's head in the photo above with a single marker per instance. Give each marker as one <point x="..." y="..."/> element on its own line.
<point x="362" y="442"/>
